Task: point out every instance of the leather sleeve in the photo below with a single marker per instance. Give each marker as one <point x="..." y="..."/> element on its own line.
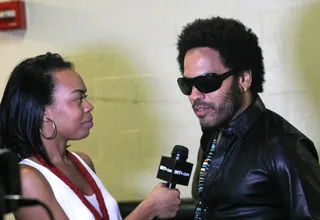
<point x="296" y="171"/>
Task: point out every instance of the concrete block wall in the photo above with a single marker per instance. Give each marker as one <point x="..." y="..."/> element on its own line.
<point x="125" y="51"/>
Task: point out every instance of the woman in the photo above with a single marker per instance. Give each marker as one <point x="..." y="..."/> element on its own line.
<point x="44" y="106"/>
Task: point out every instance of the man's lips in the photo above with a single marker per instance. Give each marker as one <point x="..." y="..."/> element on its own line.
<point x="201" y="110"/>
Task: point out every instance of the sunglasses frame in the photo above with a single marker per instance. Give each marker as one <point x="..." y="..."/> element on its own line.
<point x="220" y="77"/>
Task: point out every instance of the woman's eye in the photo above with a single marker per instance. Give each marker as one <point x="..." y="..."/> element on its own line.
<point x="81" y="98"/>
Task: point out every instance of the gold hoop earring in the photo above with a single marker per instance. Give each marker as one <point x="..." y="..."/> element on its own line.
<point x="54" y="132"/>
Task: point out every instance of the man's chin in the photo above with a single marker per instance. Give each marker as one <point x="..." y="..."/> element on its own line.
<point x="212" y="123"/>
<point x="206" y="123"/>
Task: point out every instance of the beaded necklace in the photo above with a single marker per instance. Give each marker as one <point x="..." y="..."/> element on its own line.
<point x="202" y="209"/>
<point x="76" y="190"/>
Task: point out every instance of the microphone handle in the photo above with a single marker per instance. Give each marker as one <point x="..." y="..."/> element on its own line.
<point x="170" y="186"/>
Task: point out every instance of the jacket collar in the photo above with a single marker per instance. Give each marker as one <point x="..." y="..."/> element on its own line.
<point x="240" y="125"/>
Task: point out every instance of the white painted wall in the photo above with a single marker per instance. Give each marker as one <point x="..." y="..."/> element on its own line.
<point x="125" y="51"/>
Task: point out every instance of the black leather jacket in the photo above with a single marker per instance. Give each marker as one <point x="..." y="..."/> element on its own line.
<point x="263" y="168"/>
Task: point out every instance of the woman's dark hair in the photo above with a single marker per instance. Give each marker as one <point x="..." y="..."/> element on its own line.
<point x="237" y="45"/>
<point x="29" y="90"/>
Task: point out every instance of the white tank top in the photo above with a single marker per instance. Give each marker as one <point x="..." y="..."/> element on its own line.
<point x="93" y="200"/>
<point x="70" y="202"/>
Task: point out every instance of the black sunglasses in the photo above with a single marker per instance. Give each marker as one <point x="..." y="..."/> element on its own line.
<point x="206" y="83"/>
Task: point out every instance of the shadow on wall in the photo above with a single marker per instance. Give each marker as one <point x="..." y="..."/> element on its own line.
<point x="126" y="141"/>
<point x="125" y="137"/>
<point x="302" y="64"/>
<point x="307" y="47"/>
<point x="306" y="60"/>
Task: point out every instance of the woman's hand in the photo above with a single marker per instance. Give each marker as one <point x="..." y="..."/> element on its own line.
<point x="164" y="201"/>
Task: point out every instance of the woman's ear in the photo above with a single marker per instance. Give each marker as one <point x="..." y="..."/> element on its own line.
<point x="46" y="114"/>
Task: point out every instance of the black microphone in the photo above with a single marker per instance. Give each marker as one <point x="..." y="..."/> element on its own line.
<point x="9" y="178"/>
<point x="10" y="187"/>
<point x="175" y="169"/>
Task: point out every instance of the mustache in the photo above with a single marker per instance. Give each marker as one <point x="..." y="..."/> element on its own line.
<point x="198" y="102"/>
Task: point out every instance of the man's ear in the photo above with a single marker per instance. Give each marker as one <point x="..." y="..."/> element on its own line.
<point x="245" y="80"/>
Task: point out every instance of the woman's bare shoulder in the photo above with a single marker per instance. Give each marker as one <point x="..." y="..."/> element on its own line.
<point x="86" y="159"/>
<point x="32" y="180"/>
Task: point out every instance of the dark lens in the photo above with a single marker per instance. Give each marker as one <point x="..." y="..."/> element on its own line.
<point x="185" y="85"/>
<point x="208" y="83"/>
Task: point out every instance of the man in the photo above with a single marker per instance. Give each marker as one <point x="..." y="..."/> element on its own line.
<point x="252" y="163"/>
